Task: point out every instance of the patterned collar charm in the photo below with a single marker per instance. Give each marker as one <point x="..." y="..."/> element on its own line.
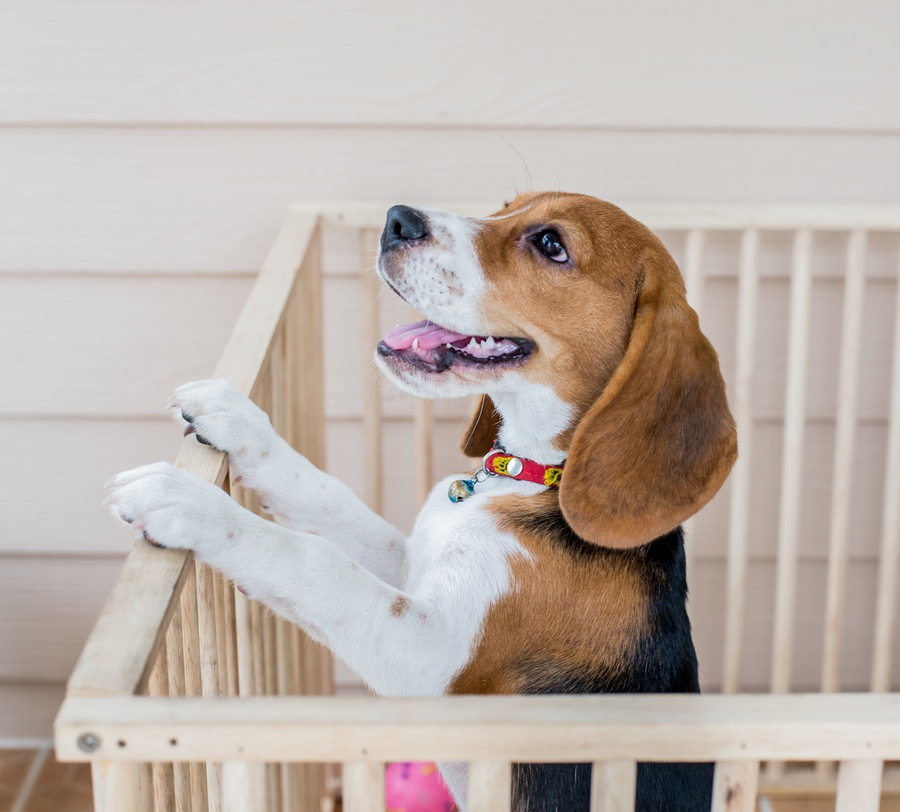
<point x="498" y="462"/>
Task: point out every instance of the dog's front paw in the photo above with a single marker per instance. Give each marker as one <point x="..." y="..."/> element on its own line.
<point x="173" y="508"/>
<point x="220" y="416"/>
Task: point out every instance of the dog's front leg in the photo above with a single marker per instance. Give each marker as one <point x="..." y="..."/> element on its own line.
<point x="291" y="488"/>
<point x="396" y="642"/>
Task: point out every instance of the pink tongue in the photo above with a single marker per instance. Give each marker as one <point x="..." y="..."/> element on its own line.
<point x="429" y="335"/>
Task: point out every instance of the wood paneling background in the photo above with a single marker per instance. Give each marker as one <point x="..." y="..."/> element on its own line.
<point x="148" y="151"/>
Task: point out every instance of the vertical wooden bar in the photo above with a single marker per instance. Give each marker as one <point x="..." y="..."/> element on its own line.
<point x="270" y="669"/>
<point x="372" y="414"/>
<point x="218" y="598"/>
<point x="734" y="786"/>
<point x="693" y="280"/>
<point x="695" y="244"/>
<point x="231" y="681"/>
<point x="845" y="441"/>
<point x="423" y="428"/>
<point x="305" y="373"/>
<point x="792" y="462"/>
<point x="181" y="771"/>
<point x="284" y="676"/>
<point x="192" y="681"/>
<point x="739" y="514"/>
<point x="163" y="774"/>
<point x="243" y="786"/>
<point x="613" y="786"/>
<point x="363" y="786"/>
<point x="490" y="786"/>
<point x="243" y="640"/>
<point x="117" y="786"/>
<point x="886" y="606"/>
<point x="859" y="786"/>
<point x="209" y="675"/>
<point x="256" y="648"/>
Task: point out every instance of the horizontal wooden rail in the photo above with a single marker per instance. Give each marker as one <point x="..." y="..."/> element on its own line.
<point x="120" y="650"/>
<point x="561" y="729"/>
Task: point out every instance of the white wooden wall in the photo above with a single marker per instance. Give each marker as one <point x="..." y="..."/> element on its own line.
<point x="148" y="151"/>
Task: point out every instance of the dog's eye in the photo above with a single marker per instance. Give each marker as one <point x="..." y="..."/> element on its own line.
<point x="550" y="245"/>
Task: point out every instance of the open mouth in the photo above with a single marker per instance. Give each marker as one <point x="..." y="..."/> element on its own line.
<point x="434" y="348"/>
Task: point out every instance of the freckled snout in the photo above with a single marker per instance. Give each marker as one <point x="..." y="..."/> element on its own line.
<point x="403" y="225"/>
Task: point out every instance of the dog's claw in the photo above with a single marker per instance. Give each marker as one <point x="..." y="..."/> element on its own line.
<point x="150" y="540"/>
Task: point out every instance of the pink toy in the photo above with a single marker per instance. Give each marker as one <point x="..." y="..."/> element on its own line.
<point x="416" y="786"/>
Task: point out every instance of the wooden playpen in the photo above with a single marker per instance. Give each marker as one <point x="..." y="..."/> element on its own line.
<point x="187" y="696"/>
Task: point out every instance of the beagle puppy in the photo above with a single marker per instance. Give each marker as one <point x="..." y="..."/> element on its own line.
<point x="558" y="567"/>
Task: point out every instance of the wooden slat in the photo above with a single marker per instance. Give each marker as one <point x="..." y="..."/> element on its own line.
<point x="739" y="513"/>
<point x="845" y="446"/>
<point x="734" y="787"/>
<point x="613" y="786"/>
<point x="374" y="450"/>
<point x="886" y="608"/>
<point x="695" y="244"/>
<point x="244" y="645"/>
<point x="243" y="786"/>
<point x="193" y="685"/>
<point x="693" y="278"/>
<point x="117" y="785"/>
<point x="176" y="672"/>
<point x="162" y="773"/>
<point x="574" y="729"/>
<point x="305" y="375"/>
<point x="792" y="462"/>
<point x="859" y="786"/>
<point x="490" y="786"/>
<point x="363" y="786"/>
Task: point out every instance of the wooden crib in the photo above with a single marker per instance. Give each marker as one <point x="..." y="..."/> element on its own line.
<point x="187" y="696"/>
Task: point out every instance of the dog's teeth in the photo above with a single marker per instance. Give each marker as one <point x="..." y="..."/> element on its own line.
<point x="415" y="344"/>
<point x="489" y="343"/>
<point x="473" y="344"/>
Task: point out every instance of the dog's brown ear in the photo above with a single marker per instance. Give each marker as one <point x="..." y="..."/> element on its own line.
<point x="659" y="441"/>
<point x="482" y="428"/>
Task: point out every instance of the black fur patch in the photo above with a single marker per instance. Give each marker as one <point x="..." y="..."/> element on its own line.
<point x="664" y="661"/>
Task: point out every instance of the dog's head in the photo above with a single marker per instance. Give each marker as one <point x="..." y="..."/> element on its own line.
<point x="568" y="293"/>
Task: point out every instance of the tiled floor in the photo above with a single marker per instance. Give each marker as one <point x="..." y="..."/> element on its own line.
<point x="55" y="787"/>
<point x="67" y="787"/>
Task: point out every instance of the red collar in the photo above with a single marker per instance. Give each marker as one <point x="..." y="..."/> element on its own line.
<point x="499" y="462"/>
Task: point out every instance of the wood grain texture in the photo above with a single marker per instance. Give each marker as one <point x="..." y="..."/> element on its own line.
<point x="674" y="727"/>
<point x="210" y="199"/>
<point x="98" y="62"/>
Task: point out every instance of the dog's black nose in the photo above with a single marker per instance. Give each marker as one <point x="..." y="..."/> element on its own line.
<point x="403" y="224"/>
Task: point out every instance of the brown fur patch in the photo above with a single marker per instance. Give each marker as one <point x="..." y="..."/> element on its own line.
<point x="653" y="439"/>
<point x="400" y="606"/>
<point x="566" y="614"/>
